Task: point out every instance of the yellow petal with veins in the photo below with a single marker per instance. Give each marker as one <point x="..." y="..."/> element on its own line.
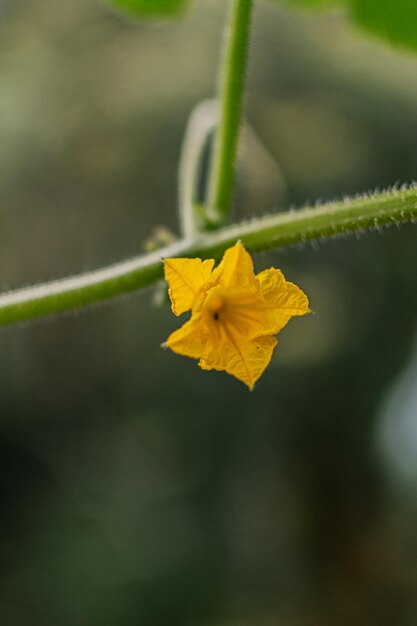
<point x="234" y="313"/>
<point x="236" y="269"/>
<point x="186" y="278"/>
<point x="190" y="339"/>
<point x="282" y="300"/>
<point x="281" y="293"/>
<point x="236" y="354"/>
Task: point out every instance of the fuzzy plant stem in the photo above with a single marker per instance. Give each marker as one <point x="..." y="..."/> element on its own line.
<point x="231" y="93"/>
<point x="201" y="124"/>
<point x="283" y="229"/>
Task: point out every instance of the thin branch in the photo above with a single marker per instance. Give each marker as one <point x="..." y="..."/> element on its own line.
<point x="365" y="212"/>
<point x="231" y="91"/>
<point x="202" y="122"/>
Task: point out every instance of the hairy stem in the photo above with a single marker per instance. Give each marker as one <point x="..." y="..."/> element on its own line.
<point x="347" y="216"/>
<point x="200" y="125"/>
<point x="231" y="90"/>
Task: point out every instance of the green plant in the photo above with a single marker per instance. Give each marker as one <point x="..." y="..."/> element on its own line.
<point x="205" y="232"/>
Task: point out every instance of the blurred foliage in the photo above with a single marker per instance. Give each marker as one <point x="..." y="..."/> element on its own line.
<point x="312" y="4"/>
<point x="146" y="8"/>
<point x="135" y="488"/>
<point x="394" y="21"/>
<point x="391" y="20"/>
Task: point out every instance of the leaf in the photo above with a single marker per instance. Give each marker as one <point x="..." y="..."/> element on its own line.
<point x="150" y="8"/>
<point x="311" y="4"/>
<point x="395" y="20"/>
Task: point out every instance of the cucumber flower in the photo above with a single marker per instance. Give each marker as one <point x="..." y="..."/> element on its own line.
<point x="234" y="313"/>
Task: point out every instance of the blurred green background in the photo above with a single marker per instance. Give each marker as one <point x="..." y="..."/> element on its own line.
<point x="135" y="488"/>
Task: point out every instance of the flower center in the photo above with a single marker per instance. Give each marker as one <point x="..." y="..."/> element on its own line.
<point x="215" y="305"/>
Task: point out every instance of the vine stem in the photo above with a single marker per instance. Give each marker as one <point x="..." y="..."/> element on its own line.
<point x="200" y="125"/>
<point x="231" y="92"/>
<point x="283" y="229"/>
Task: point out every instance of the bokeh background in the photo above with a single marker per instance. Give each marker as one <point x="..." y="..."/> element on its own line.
<point x="135" y="488"/>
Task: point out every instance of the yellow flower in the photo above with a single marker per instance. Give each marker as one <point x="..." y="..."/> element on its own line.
<point x="234" y="314"/>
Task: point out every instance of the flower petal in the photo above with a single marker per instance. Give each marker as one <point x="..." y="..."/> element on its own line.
<point x="282" y="300"/>
<point x="236" y="269"/>
<point x="185" y="278"/>
<point x="190" y="339"/>
<point x="234" y="313"/>
<point x="281" y="293"/>
<point x="236" y="354"/>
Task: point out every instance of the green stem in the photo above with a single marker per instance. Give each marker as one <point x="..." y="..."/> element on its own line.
<point x="200" y="125"/>
<point x="232" y="82"/>
<point x="365" y="212"/>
